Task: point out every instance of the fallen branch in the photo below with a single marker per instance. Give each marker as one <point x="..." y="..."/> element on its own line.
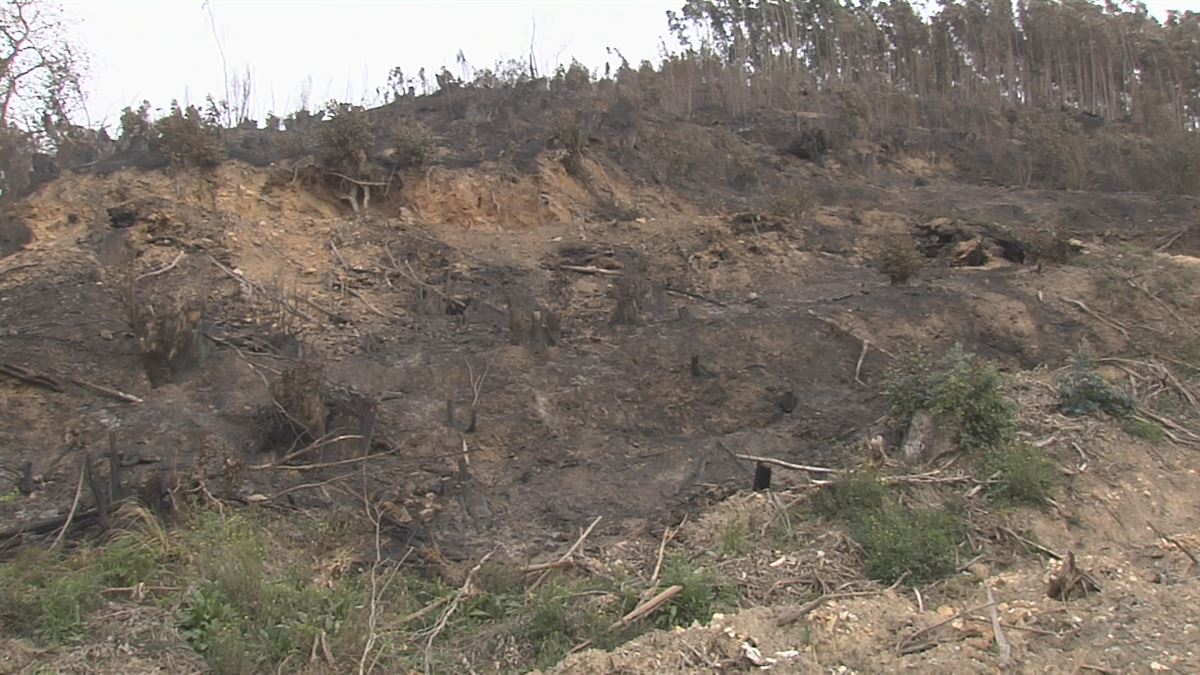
<point x="164" y="270"/>
<point x="458" y="597"/>
<point x="570" y="552"/>
<point x="1030" y="543"/>
<point x="106" y="391"/>
<point x="909" y="645"/>
<point x="1002" y="646"/>
<point x="803" y="610"/>
<point x="589" y="269"/>
<point x="694" y="296"/>
<point x="858" y="367"/>
<point x="70" y="514"/>
<point x="1175" y="542"/>
<point x="319" y="443"/>
<point x="646" y="608"/>
<point x="789" y="465"/>
<point x="1096" y="315"/>
<point x="29" y="377"/>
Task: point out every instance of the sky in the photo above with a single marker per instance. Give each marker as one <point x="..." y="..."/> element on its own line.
<point x="159" y="50"/>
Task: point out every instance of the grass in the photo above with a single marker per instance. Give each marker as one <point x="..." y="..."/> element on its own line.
<point x="898" y="257"/>
<point x="958" y="388"/>
<point x="897" y="541"/>
<point x="1147" y="431"/>
<point x="703" y="593"/>
<point x="1018" y="474"/>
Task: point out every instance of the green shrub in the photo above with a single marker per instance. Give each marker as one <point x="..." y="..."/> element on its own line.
<point x="958" y="388"/>
<point x="189" y="139"/>
<point x="897" y="540"/>
<point x="1051" y="246"/>
<point x="1085" y="392"/>
<point x="1147" y="431"/>
<point x="412" y="144"/>
<point x="898" y="257"/>
<point x="1019" y="474"/>
<point x="345" y="138"/>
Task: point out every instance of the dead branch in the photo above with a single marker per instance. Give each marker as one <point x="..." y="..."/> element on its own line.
<point x="106" y="391"/>
<point x="909" y="645"/>
<point x="566" y="557"/>
<point x="1124" y="330"/>
<point x="70" y="514"/>
<point x="803" y="610"/>
<point x="29" y="377"/>
<point x="646" y="608"/>
<point x="1002" y="646"/>
<point x="589" y="269"/>
<point x="694" y="296"/>
<point x="363" y="183"/>
<point x="1175" y="542"/>
<point x="458" y="597"/>
<point x="789" y="465"/>
<point x="163" y="270"/>
<point x="858" y="367"/>
<point x="319" y="443"/>
<point x="1030" y="543"/>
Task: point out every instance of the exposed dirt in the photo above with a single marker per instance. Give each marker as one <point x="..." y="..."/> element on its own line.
<point x="519" y="352"/>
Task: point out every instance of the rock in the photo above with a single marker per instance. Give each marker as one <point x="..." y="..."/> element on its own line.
<point x="920" y="438"/>
<point x="970" y="253"/>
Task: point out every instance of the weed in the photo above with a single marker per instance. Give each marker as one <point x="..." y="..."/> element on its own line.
<point x="1085" y="392"/>
<point x="897" y="540"/>
<point x="959" y="389"/>
<point x="733" y="538"/>
<point x="703" y="593"/>
<point x="853" y="496"/>
<point x="1051" y="246"/>
<point x="1018" y="474"/>
<point x="898" y="257"/>
<point x="1147" y="431"/>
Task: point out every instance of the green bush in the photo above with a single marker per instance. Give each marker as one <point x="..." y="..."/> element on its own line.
<point x="412" y="144"/>
<point x="898" y="257"/>
<point x="1018" y="474"/>
<point x="794" y="203"/>
<point x="1085" y="392"/>
<point x="958" y="388"/>
<point x="189" y="139"/>
<point x="345" y="138"/>
<point x="1147" y="431"/>
<point x="896" y="540"/>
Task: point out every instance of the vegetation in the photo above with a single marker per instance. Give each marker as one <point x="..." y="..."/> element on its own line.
<point x="920" y="545"/>
<point x="959" y="389"/>
<point x="1084" y="391"/>
<point x="345" y="139"/>
<point x="898" y="257"/>
<point x="188" y="138"/>
<point x="1018" y="474"/>
<point x="1147" y="431"/>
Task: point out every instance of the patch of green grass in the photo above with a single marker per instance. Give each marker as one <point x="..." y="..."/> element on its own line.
<point x="895" y="539"/>
<point x="1019" y="474"/>
<point x="703" y="594"/>
<point x="734" y="538"/>
<point x="46" y="596"/>
<point x="958" y="388"/>
<point x="10" y="497"/>
<point x="852" y="496"/>
<point x="1147" y="431"/>
<point x="243" y="616"/>
<point x="898" y="541"/>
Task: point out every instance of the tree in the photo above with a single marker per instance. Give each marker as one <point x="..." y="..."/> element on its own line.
<point x="41" y="70"/>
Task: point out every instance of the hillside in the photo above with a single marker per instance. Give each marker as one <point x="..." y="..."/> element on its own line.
<point x="457" y="383"/>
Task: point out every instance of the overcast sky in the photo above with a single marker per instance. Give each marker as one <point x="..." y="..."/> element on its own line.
<point x="159" y="50"/>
